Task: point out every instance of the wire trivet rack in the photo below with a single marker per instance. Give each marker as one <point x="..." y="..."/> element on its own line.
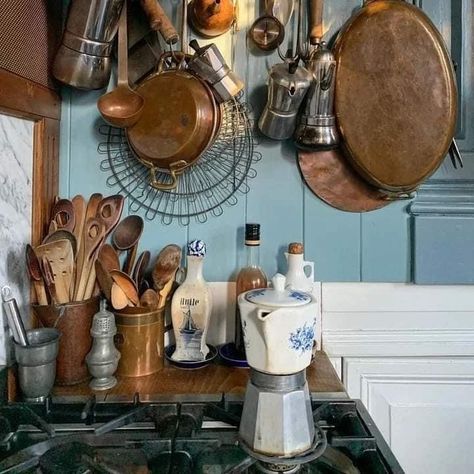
<point x="213" y="182"/>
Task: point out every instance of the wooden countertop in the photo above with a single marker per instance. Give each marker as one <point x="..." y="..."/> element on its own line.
<point x="213" y="379"/>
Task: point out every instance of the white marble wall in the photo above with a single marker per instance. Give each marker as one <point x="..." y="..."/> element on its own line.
<point x="16" y="172"/>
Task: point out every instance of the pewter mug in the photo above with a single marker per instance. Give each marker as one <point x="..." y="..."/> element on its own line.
<point x="317" y="124"/>
<point x="83" y="59"/>
<point x="287" y="87"/>
<point x="37" y="363"/>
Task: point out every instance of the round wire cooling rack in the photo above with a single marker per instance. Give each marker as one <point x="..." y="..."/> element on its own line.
<point x="213" y="182"/>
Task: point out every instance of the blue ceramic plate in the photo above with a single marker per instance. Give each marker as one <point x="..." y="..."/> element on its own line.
<point x="230" y="356"/>
<point x="192" y="364"/>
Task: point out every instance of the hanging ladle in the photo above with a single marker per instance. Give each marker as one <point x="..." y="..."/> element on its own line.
<point x="122" y="106"/>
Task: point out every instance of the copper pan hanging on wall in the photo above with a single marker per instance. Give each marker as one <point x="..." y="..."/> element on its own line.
<point x="322" y="163"/>
<point x="180" y="118"/>
<point x="395" y="99"/>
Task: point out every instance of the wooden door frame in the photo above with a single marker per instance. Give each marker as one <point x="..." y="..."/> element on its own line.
<point x="22" y="98"/>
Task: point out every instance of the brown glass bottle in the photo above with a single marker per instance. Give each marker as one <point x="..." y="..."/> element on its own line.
<point x="249" y="278"/>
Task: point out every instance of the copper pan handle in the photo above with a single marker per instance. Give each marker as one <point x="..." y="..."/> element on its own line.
<point x="175" y="168"/>
<point x="159" y="21"/>
<point x="316" y="21"/>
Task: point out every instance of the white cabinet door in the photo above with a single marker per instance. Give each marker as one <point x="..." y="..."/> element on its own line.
<point x="424" y="407"/>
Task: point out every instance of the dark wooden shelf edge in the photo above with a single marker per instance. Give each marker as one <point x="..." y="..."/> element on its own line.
<point x="214" y="379"/>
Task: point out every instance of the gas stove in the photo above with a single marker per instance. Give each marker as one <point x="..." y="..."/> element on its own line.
<point x="173" y="436"/>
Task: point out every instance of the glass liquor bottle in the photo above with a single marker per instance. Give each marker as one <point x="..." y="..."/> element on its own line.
<point x="249" y="278"/>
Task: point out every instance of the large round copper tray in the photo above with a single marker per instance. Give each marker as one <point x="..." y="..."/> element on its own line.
<point x="395" y="96"/>
<point x="179" y="120"/>
<point x="328" y="174"/>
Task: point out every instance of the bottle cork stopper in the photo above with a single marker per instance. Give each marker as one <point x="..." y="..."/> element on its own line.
<point x="295" y="248"/>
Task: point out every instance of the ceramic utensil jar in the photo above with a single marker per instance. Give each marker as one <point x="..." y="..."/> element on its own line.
<point x="279" y="328"/>
<point x="191" y="308"/>
<point x="287" y="87"/>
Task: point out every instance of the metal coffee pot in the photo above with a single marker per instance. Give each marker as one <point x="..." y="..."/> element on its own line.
<point x="210" y="66"/>
<point x="287" y="87"/>
<point x="83" y="59"/>
<point x="317" y="124"/>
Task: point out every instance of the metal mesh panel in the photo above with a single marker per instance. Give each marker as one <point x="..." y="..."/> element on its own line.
<point x="29" y="30"/>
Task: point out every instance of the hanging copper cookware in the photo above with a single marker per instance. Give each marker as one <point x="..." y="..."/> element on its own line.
<point x="211" y="18"/>
<point x="179" y="121"/>
<point x="395" y="94"/>
<point x="326" y="172"/>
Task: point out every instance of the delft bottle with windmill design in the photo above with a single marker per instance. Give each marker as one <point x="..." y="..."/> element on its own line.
<point x="191" y="308"/>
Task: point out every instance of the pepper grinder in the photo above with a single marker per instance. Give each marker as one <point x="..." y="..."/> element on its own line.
<point x="102" y="360"/>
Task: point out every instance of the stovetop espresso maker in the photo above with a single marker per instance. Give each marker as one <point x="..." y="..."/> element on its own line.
<point x="277" y="424"/>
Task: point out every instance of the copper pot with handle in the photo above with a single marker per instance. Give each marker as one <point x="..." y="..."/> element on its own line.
<point x="179" y="121"/>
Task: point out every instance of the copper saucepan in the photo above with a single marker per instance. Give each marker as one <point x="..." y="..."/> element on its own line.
<point x="179" y="120"/>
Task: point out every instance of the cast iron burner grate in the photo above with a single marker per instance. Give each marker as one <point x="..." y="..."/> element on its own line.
<point x="189" y="437"/>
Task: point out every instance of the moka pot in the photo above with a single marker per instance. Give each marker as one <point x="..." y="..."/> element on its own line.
<point x="317" y="123"/>
<point x="287" y="87"/>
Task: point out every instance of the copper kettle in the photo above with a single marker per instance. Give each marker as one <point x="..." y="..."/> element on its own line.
<point x="211" y="18"/>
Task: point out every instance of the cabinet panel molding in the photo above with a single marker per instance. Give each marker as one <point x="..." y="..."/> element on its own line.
<point x="412" y="401"/>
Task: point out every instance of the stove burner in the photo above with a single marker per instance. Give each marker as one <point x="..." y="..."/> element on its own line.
<point x="60" y="436"/>
<point x="288" y="464"/>
<point x="65" y="459"/>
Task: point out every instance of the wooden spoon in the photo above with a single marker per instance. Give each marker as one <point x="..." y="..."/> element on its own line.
<point x="108" y="258"/>
<point x="104" y="279"/>
<point x="94" y="232"/>
<point x="123" y="106"/>
<point x="164" y="293"/>
<point x="167" y="262"/>
<point x="34" y="269"/>
<point x="125" y="238"/>
<point x="110" y="211"/>
<point x="140" y="267"/>
<point x="126" y="284"/>
<point x="149" y="299"/>
<point x="47" y="272"/>
<point x="63" y="215"/>
<point x="118" y="297"/>
<point x="79" y="205"/>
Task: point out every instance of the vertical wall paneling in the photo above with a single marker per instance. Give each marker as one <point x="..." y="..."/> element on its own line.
<point x="345" y="246"/>
<point x="386" y="238"/>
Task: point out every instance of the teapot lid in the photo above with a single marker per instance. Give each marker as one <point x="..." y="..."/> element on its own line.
<point x="278" y="296"/>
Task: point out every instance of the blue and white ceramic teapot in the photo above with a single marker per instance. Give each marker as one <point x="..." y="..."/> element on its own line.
<point x="279" y="328"/>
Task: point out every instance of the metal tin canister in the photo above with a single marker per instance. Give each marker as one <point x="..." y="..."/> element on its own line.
<point x="74" y="321"/>
<point x="140" y="340"/>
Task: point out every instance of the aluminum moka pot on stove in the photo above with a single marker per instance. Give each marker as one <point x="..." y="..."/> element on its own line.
<point x="287" y="87"/>
<point x="83" y="59"/>
<point x="317" y="124"/>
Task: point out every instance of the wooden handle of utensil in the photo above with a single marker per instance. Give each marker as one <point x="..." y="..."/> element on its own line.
<point x="316" y="21"/>
<point x="159" y="21"/>
<point x="40" y="291"/>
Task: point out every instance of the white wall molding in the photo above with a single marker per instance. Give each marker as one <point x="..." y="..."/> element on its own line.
<point x="384" y="319"/>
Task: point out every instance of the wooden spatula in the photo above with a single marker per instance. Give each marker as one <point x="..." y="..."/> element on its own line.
<point x="60" y="256"/>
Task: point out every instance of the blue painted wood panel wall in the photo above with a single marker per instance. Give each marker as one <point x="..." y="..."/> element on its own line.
<point x="375" y="246"/>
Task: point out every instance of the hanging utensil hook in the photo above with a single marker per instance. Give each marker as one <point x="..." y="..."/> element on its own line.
<point x="302" y="51"/>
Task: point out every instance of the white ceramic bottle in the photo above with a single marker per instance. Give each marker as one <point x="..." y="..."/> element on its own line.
<point x="296" y="278"/>
<point x="191" y="308"/>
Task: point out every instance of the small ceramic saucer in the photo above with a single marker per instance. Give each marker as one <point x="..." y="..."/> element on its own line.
<point x="230" y="356"/>
<point x="190" y="364"/>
